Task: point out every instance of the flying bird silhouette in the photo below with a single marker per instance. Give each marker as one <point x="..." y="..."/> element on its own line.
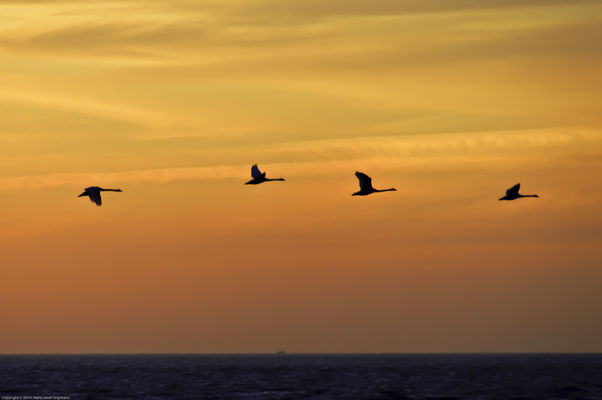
<point x="366" y="185"/>
<point x="512" y="193"/>
<point x="93" y="192"/>
<point x="259" y="177"/>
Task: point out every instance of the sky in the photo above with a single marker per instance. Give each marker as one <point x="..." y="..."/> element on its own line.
<point x="449" y="102"/>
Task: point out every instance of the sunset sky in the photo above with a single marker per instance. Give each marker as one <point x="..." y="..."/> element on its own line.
<point x="451" y="102"/>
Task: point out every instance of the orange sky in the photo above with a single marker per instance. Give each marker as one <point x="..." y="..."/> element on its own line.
<point x="173" y="102"/>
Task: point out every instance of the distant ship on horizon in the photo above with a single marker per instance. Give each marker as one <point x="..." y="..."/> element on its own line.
<point x="280" y="352"/>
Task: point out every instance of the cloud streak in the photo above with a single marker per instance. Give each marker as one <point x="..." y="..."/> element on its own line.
<point x="83" y="105"/>
<point x="430" y="153"/>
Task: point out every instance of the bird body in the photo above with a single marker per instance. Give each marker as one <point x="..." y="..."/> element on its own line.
<point x="93" y="192"/>
<point x="259" y="177"/>
<point x="366" y="187"/>
<point x="512" y="193"/>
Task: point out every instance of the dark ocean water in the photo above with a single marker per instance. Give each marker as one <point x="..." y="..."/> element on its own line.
<point x="432" y="376"/>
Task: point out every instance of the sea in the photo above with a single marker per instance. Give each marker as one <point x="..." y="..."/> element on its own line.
<point x="301" y="376"/>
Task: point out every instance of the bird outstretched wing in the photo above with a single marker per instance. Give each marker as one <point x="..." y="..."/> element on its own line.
<point x="365" y="181"/>
<point x="255" y="172"/>
<point x="95" y="197"/>
<point x="513" y="191"/>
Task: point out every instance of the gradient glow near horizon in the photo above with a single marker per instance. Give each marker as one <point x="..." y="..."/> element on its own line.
<point x="173" y="102"/>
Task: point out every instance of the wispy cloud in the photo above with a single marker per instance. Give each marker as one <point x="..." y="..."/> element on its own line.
<point x="85" y="105"/>
<point x="105" y="79"/>
<point x="166" y="32"/>
<point x="430" y="153"/>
